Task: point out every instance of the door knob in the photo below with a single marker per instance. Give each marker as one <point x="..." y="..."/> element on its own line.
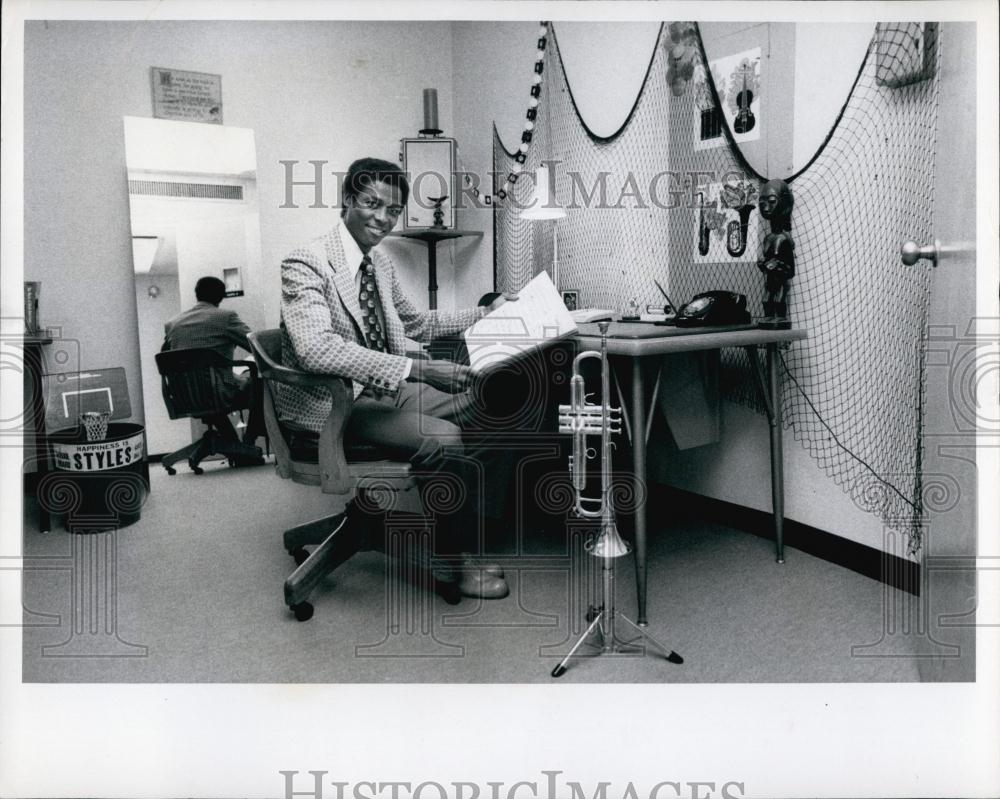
<point x="911" y="252"/>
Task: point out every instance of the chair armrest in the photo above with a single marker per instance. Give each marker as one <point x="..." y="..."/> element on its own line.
<point x="418" y="355"/>
<point x="334" y="475"/>
<point x="270" y="369"/>
<point x="293" y="377"/>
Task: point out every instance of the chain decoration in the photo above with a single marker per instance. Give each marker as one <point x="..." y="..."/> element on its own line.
<point x="490" y="199"/>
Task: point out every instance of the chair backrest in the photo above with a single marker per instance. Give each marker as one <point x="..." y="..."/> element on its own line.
<point x="197" y="383"/>
<point x="266" y="348"/>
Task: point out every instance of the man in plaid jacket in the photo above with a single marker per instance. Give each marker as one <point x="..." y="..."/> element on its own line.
<point x="343" y="312"/>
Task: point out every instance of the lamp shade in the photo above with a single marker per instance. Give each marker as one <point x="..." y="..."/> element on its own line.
<point x="543" y="204"/>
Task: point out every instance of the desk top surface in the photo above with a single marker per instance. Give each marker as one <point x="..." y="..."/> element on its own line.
<point x="637" y="338"/>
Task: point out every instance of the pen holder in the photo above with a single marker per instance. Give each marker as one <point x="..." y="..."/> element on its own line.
<point x="631" y="314"/>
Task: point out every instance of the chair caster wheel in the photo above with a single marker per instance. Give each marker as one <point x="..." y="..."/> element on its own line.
<point x="171" y="471"/>
<point x="303" y="611"/>
<point x="196" y="468"/>
<point x="592" y="614"/>
<point x="559" y="670"/>
<point x="300" y="556"/>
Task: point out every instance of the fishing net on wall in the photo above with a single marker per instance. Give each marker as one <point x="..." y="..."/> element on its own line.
<point x="639" y="203"/>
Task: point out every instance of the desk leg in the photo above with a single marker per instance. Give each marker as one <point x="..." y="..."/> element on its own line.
<point x="432" y="275"/>
<point x="639" y="478"/>
<point x="777" y="454"/>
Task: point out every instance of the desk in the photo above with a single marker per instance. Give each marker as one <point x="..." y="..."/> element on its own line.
<point x="431" y="236"/>
<point x="639" y="343"/>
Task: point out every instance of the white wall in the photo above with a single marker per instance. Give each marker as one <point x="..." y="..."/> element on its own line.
<point x="606" y="65"/>
<point x="827" y="59"/>
<point x="162" y="434"/>
<point x="309" y="91"/>
<point x="493" y="63"/>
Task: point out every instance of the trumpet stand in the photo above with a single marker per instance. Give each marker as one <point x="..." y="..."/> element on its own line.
<point x="580" y="419"/>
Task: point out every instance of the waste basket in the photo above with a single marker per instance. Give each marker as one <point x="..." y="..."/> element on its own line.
<point x="98" y="485"/>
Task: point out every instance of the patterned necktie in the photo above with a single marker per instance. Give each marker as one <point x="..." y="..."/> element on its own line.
<point x="369" y="302"/>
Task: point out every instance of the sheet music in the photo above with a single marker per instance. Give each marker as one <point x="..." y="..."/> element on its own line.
<point x="536" y="318"/>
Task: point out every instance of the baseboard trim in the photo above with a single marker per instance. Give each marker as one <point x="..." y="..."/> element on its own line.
<point x="890" y="569"/>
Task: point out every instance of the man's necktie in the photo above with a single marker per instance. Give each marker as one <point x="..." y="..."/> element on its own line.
<point x="369" y="302"/>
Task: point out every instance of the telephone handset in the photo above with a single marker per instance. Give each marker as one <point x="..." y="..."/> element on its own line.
<point x="714" y="308"/>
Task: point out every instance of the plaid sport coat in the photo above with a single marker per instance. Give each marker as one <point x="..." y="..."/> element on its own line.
<point x="321" y="327"/>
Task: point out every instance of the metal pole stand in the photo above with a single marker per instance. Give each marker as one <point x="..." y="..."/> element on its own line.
<point x="609" y="546"/>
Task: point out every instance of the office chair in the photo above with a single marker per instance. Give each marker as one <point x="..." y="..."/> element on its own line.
<point x="356" y="481"/>
<point x="193" y="387"/>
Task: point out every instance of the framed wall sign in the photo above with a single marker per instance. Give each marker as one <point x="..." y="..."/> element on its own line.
<point x="189" y="96"/>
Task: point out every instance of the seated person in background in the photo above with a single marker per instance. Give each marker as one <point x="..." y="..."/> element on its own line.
<point x="343" y="312"/>
<point x="208" y="326"/>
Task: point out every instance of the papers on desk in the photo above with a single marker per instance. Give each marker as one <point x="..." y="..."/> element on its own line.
<point x="536" y="319"/>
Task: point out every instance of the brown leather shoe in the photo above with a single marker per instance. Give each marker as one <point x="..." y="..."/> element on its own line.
<point x="477" y="583"/>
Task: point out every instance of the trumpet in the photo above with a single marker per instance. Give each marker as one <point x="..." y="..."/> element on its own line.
<point x="581" y="419"/>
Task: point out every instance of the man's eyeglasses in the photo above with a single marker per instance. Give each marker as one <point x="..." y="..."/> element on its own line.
<point x="370" y="203"/>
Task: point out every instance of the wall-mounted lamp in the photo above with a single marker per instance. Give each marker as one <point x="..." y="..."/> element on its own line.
<point x="153" y="292"/>
<point x="543" y="205"/>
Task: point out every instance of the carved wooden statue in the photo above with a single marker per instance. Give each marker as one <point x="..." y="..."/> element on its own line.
<point x="778" y="261"/>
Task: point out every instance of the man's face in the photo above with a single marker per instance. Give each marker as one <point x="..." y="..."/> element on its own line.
<point x="372" y="213"/>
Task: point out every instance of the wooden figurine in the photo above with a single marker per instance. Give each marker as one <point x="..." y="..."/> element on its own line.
<point x="778" y="261"/>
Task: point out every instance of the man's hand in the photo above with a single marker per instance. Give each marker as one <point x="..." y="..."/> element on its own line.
<point x="446" y="376"/>
<point x="505" y="297"/>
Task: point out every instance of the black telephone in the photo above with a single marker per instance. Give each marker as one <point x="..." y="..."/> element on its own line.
<point x="714" y="308"/>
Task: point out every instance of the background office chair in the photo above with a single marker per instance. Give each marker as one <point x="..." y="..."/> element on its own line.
<point x="193" y="387"/>
<point x="356" y="485"/>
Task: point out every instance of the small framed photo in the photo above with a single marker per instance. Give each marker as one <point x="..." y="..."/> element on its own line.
<point x="571" y="299"/>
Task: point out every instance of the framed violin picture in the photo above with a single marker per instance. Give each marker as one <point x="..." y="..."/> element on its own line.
<point x="738" y="84"/>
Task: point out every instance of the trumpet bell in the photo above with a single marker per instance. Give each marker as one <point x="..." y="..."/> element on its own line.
<point x="609" y="543"/>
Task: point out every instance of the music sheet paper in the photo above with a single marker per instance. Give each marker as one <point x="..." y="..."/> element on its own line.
<point x="538" y="317"/>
